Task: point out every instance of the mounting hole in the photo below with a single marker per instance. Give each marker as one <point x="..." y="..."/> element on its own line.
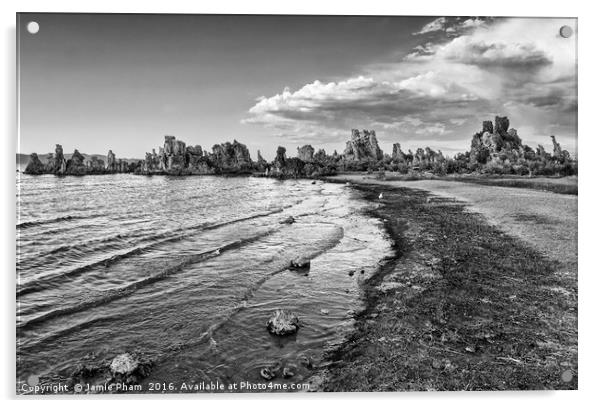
<point x="567" y="376"/>
<point x="33" y="27"/>
<point x="566" y="31"/>
<point x="33" y="380"/>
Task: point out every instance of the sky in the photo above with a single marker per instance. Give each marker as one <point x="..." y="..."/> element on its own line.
<point x="105" y="81"/>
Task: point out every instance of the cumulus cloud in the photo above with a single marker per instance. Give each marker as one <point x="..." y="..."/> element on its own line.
<point x="443" y="88"/>
<point x="472" y="23"/>
<point x="495" y="54"/>
<point x="360" y="100"/>
<point x="451" y="26"/>
<point x="434" y="26"/>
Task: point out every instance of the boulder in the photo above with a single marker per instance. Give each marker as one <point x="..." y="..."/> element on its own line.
<point x="283" y="323"/>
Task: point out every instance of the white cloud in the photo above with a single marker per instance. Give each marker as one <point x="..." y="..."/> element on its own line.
<point x="472" y="23"/>
<point x="434" y="129"/>
<point x="516" y="67"/>
<point x="451" y="26"/>
<point x="458" y="122"/>
<point x="468" y="50"/>
<point x="435" y="25"/>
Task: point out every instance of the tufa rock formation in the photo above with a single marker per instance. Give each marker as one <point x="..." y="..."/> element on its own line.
<point x="305" y="153"/>
<point x="363" y="147"/>
<point x="495" y="149"/>
<point x="76" y="165"/>
<point x="95" y="165"/>
<point x="175" y="158"/>
<point x="35" y="166"/>
<point x="559" y="155"/>
<point x="232" y="158"/>
<point x="321" y="156"/>
<point x="283" y="167"/>
<point x="111" y="162"/>
<point x="262" y="164"/>
<point x="59" y="164"/>
<point x="492" y="139"/>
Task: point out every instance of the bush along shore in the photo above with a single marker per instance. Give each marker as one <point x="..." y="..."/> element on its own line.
<point x="463" y="306"/>
<point x="494" y="150"/>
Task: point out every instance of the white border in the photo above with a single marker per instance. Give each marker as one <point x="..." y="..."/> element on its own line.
<point x="590" y="132"/>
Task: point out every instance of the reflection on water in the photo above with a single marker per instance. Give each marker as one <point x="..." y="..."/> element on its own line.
<point x="186" y="271"/>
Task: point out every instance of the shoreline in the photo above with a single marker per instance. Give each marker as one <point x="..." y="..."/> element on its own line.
<point x="463" y="306"/>
<point x="556" y="184"/>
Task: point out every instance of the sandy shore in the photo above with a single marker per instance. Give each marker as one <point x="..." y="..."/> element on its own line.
<point x="481" y="296"/>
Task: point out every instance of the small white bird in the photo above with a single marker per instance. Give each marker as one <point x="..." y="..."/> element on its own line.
<point x="381" y="196"/>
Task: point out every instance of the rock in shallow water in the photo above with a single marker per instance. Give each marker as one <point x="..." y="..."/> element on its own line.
<point x="126" y="368"/>
<point x="283" y="323"/>
<point x="300" y="264"/>
<point x="306" y="361"/>
<point x="288" y="372"/>
<point x="267" y="373"/>
<point x="288" y="220"/>
<point x="123" y="364"/>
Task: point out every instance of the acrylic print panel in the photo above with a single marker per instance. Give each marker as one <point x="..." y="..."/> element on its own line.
<point x="201" y="210"/>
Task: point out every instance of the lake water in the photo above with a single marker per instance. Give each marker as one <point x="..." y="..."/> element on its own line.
<point x="186" y="271"/>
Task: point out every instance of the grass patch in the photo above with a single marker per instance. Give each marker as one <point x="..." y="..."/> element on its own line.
<point x="551" y="185"/>
<point x="533" y="218"/>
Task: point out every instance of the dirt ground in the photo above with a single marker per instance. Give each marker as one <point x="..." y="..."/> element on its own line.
<point x="481" y="296"/>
